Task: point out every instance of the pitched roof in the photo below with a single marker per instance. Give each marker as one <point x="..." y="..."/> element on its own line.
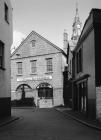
<point x="33" y="32"/>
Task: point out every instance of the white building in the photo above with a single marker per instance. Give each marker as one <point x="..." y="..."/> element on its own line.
<point x="37" y="68"/>
<point x="5" y="44"/>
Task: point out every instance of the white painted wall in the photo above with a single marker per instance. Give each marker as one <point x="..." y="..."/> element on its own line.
<point x="6" y="38"/>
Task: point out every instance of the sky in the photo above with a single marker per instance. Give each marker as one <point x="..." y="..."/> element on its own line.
<point x="49" y="18"/>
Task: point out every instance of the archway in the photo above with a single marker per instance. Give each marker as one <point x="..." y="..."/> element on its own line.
<point x="45" y="90"/>
<point x="45" y="95"/>
<point x="23" y="88"/>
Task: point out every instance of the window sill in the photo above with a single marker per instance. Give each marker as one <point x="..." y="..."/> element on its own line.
<point x="19" y="75"/>
<point x="50" y="72"/>
<point x="33" y="73"/>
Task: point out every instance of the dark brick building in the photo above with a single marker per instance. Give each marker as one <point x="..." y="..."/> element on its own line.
<point x="86" y="70"/>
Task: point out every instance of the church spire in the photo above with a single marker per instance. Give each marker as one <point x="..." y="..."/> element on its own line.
<point x="77" y="13"/>
<point x="76" y="27"/>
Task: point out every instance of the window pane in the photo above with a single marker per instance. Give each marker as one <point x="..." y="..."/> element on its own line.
<point x="32" y="43"/>
<point x="6" y="13"/>
<point x="1" y="54"/>
<point x="49" y="64"/>
<point x="33" y="66"/>
<point x="79" y="61"/>
<point x="19" y="67"/>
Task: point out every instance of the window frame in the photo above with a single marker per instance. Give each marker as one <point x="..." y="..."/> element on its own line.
<point x="79" y="60"/>
<point x="6" y="10"/>
<point x="49" y="64"/>
<point x="33" y="43"/>
<point x="19" y="68"/>
<point x="2" y="58"/>
<point x="33" y="66"/>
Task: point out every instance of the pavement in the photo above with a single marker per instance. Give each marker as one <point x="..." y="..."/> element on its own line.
<point x="95" y="124"/>
<point x="10" y="119"/>
<point x="7" y="120"/>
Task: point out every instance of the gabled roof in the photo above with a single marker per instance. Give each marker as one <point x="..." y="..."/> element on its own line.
<point x="33" y="32"/>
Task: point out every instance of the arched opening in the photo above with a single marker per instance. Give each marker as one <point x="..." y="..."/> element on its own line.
<point x="45" y="90"/>
<point x="45" y="95"/>
<point x="23" y="88"/>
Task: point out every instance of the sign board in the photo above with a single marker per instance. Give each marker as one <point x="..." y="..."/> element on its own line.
<point x="35" y="78"/>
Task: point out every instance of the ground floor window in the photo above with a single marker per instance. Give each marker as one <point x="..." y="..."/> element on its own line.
<point x="45" y="90"/>
<point x="23" y="88"/>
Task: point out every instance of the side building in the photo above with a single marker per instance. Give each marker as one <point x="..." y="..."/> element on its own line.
<point x="37" y="70"/>
<point x="69" y="46"/>
<point x="86" y="95"/>
<point x="6" y="37"/>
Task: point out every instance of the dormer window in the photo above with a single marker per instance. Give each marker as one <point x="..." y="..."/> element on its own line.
<point x="32" y="43"/>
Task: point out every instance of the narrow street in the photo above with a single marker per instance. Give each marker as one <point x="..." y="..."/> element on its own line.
<point x="46" y="124"/>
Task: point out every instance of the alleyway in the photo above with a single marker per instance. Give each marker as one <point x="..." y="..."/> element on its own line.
<point x="46" y="124"/>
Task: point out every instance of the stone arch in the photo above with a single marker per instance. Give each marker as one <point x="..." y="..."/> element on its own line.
<point x="23" y="88"/>
<point x="45" y="90"/>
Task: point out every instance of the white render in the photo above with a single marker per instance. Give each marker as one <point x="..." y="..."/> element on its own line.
<point x="6" y="37"/>
<point x="43" y="50"/>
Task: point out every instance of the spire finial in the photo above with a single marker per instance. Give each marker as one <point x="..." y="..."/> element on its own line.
<point x="77" y="9"/>
<point x="76" y="6"/>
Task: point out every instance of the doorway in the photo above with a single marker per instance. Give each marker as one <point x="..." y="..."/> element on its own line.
<point x="45" y="95"/>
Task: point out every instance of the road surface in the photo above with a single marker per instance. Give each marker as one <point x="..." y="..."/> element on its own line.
<point x="46" y="124"/>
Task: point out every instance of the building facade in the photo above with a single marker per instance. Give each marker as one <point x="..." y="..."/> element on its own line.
<point x="5" y="44"/>
<point x="86" y="95"/>
<point x="37" y="65"/>
<point x="69" y="46"/>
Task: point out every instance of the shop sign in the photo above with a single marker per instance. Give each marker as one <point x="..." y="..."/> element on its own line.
<point x="35" y="78"/>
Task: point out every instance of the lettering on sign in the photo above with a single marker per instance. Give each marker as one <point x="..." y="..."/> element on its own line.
<point x="35" y="78"/>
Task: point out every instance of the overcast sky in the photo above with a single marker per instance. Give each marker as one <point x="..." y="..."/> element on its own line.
<point x="49" y="18"/>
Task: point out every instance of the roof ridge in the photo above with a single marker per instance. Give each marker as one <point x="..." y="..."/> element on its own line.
<point x="34" y="32"/>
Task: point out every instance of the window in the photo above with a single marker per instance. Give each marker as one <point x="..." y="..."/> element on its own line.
<point x="19" y="66"/>
<point x="32" y="43"/>
<point x="6" y="13"/>
<point x="49" y="64"/>
<point x="79" y="60"/>
<point x="70" y="66"/>
<point x="1" y="54"/>
<point x="33" y="66"/>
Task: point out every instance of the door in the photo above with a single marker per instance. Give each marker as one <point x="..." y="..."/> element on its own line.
<point x="45" y="96"/>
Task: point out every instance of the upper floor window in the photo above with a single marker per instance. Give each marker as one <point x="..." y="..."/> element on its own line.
<point x="1" y="54"/>
<point x="32" y="43"/>
<point x="70" y="66"/>
<point x="49" y="65"/>
<point x="33" y="66"/>
<point x="6" y="13"/>
<point x="79" y="60"/>
<point x="19" y="68"/>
